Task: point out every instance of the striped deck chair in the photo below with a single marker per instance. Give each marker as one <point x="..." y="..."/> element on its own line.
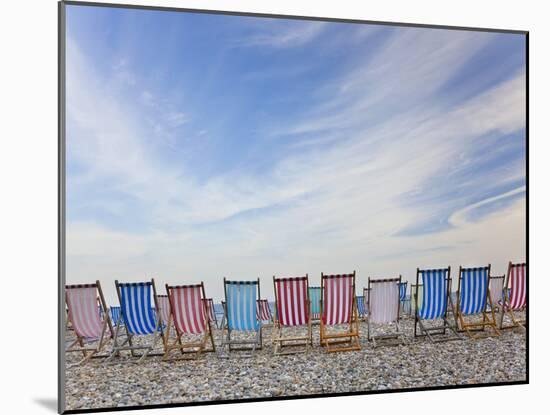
<point x="210" y="312"/>
<point x="164" y="306"/>
<point x="86" y="321"/>
<point x="402" y="294"/>
<point x="190" y="319"/>
<point x="366" y="293"/>
<point x="431" y="298"/>
<point x="264" y="312"/>
<point x="293" y="310"/>
<point x="473" y="298"/>
<point x="241" y="316"/>
<point x="338" y="307"/>
<point x="360" y="300"/>
<point x="315" y="302"/>
<point x="114" y="314"/>
<point x="496" y="290"/>
<point x="140" y="320"/>
<point x="384" y="306"/>
<point x="515" y="294"/>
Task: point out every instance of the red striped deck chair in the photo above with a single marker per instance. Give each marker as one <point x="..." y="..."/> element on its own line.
<point x="209" y="304"/>
<point x="264" y="312"/>
<point x="293" y="310"/>
<point x="190" y="318"/>
<point x="515" y="295"/>
<point x="338" y="308"/>
<point x="384" y="306"/>
<point x="86" y="321"/>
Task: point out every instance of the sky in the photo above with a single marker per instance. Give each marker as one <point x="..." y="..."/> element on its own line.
<point x="200" y="146"/>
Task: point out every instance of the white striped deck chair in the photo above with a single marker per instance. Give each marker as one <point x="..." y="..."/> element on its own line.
<point x="474" y="299"/>
<point x="315" y="303"/>
<point x="190" y="320"/>
<point x="496" y="290"/>
<point x="360" y="300"/>
<point x="86" y="321"/>
<point x="137" y="300"/>
<point x="515" y="294"/>
<point x="384" y="306"/>
<point x="241" y="315"/>
<point x="432" y="296"/>
<point x="164" y="306"/>
<point x="292" y="305"/>
<point x="210" y="312"/>
<point x="338" y="308"/>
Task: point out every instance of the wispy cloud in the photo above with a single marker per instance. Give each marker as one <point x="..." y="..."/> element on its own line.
<point x="284" y="34"/>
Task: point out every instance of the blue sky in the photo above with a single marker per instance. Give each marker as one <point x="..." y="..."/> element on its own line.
<point x="203" y="145"/>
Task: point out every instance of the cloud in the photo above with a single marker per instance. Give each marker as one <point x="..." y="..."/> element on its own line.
<point x="284" y="34"/>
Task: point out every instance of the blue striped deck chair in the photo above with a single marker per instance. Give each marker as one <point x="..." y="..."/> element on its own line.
<point x="140" y="319"/>
<point x="435" y="295"/>
<point x="474" y="299"/>
<point x="315" y="303"/>
<point x="241" y="316"/>
<point x="115" y="314"/>
<point x="359" y="299"/>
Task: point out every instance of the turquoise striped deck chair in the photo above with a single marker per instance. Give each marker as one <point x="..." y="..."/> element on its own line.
<point x="436" y="295"/>
<point x="315" y="302"/>
<point x="241" y="316"/>
<point x="474" y="299"/>
<point x="138" y="301"/>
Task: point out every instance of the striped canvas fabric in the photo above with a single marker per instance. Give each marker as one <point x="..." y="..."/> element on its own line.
<point x="209" y="305"/>
<point x="402" y="291"/>
<point x="115" y="314"/>
<point x="384" y="301"/>
<point x="338" y="293"/>
<point x="263" y="311"/>
<point x="473" y="290"/>
<point x="496" y="289"/>
<point x="83" y="311"/>
<point x="360" y="305"/>
<point x="164" y="306"/>
<point x="434" y="293"/>
<point x="518" y="286"/>
<point x="292" y="301"/>
<point x="241" y="305"/>
<point x="188" y="309"/>
<point x="315" y="302"/>
<point x="138" y="315"/>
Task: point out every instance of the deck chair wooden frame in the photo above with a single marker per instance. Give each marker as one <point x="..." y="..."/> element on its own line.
<point x="188" y="318"/>
<point x="293" y="310"/>
<point x="131" y="327"/>
<point x="475" y="304"/>
<point x="251" y="325"/>
<point x="435" y="305"/>
<point x="341" y="341"/>
<point x="95" y="336"/>
<point x="395" y="285"/>
<point x="514" y="301"/>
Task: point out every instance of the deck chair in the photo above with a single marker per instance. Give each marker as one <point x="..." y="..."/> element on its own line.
<point x="416" y="298"/>
<point x="241" y="315"/>
<point x="92" y="332"/>
<point x="114" y="312"/>
<point x="496" y="290"/>
<point x="384" y="306"/>
<point x="190" y="320"/>
<point x="360" y="300"/>
<point x="473" y="298"/>
<point x="315" y="303"/>
<point x="402" y="294"/>
<point x="366" y="293"/>
<point x="209" y="304"/>
<point x="293" y="310"/>
<point x="140" y="320"/>
<point x="264" y="312"/>
<point x="431" y="298"/>
<point x="338" y="307"/>
<point x="164" y="306"/>
<point x="515" y="294"/>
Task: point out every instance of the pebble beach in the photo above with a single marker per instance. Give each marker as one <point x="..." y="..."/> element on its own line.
<point x="412" y="363"/>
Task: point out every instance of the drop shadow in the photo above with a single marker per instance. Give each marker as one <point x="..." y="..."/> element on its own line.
<point x="48" y="403"/>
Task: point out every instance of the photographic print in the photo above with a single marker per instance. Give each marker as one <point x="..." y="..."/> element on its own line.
<point x="269" y="207"/>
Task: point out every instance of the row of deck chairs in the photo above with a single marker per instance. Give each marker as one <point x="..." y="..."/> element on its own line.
<point x="187" y="312"/>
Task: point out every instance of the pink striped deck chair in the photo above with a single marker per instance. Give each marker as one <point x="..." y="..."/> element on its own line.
<point x="338" y="308"/>
<point x="263" y="311"/>
<point x="293" y="310"/>
<point x="86" y="320"/>
<point x="209" y="304"/>
<point x="384" y="306"/>
<point x="515" y="294"/>
<point x="191" y="322"/>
